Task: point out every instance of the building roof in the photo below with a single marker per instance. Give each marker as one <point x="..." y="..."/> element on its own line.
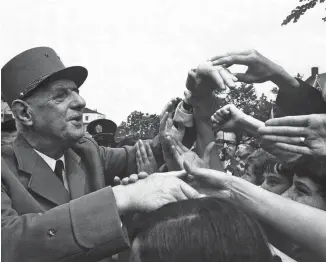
<point x="321" y="80"/>
<point x="90" y="111"/>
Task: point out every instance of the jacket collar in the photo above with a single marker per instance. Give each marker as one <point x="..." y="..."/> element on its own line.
<point x="43" y="181"/>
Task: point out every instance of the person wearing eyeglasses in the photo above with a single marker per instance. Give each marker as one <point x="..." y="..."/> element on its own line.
<point x="227" y="143"/>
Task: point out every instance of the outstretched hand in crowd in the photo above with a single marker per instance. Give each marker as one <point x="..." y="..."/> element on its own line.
<point x="145" y="158"/>
<point x="167" y="129"/>
<point x="210" y="182"/>
<point x="227" y="118"/>
<point x="181" y="154"/>
<point x="260" y="69"/>
<point x="305" y="134"/>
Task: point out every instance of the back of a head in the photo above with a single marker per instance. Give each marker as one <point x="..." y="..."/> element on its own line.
<point x="199" y="230"/>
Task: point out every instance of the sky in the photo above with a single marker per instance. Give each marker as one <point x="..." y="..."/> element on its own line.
<point x="138" y="52"/>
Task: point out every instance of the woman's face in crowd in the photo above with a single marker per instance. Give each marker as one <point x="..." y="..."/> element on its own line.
<point x="306" y="191"/>
<point x="275" y="182"/>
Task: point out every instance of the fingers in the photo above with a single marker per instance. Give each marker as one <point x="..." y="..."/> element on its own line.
<point x="232" y="59"/>
<point x="208" y="152"/>
<point x="173" y="143"/>
<point x="142" y="175"/>
<point x="245" y="52"/>
<point x="227" y="77"/>
<point x="139" y="158"/>
<point x="163" y="122"/>
<point x="218" y="80"/>
<point x="177" y="157"/>
<point x="187" y="95"/>
<point x="184" y="148"/>
<point x="212" y="176"/>
<point x="191" y="80"/>
<point x="133" y="178"/>
<point x="169" y="122"/>
<point x="188" y="191"/>
<point x="289" y="121"/>
<point x="125" y="181"/>
<point x="244" y="77"/>
<point x="168" y="107"/>
<point x="116" y="181"/>
<point x="178" y="174"/>
<point x="303" y="150"/>
<point x="149" y="151"/>
<point x="284" y="139"/>
<point x="283" y="130"/>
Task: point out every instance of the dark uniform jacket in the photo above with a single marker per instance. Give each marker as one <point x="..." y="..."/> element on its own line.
<point x="42" y="221"/>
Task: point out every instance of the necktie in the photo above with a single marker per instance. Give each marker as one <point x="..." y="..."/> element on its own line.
<point x="59" y="169"/>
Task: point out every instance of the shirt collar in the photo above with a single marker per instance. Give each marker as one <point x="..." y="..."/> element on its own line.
<point x="50" y="161"/>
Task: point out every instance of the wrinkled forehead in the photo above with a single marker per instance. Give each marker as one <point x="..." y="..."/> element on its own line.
<point x="60" y="84"/>
<point x="45" y="90"/>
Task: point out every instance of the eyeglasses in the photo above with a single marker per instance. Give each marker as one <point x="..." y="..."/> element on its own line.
<point x="228" y="143"/>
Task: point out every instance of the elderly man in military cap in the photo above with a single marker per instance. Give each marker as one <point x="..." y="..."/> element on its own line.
<point x="55" y="202"/>
<point x="103" y="131"/>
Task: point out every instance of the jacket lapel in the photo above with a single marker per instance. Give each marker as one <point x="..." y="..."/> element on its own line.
<point x="75" y="174"/>
<point x="43" y="181"/>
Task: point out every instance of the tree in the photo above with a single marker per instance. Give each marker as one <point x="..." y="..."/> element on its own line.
<point x="138" y="125"/>
<point x="245" y="98"/>
<point x="300" y="10"/>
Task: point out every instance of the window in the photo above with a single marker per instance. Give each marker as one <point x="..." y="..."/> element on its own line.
<point x="86" y="118"/>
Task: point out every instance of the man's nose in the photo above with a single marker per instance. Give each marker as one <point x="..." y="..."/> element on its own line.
<point x="78" y="102"/>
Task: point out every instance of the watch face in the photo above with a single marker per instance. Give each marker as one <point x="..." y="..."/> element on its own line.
<point x="98" y="129"/>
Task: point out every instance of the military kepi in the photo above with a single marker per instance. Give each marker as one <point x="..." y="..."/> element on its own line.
<point x="29" y="69"/>
<point x="102" y="127"/>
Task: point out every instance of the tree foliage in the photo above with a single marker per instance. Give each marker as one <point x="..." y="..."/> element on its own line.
<point x="144" y="125"/>
<point x="300" y="10"/>
<point x="138" y="125"/>
<point x="245" y="98"/>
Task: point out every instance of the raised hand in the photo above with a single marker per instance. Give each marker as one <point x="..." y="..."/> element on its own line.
<point x="209" y="181"/>
<point x="260" y="69"/>
<point x="304" y="134"/>
<point x="181" y="154"/>
<point x="165" y="130"/>
<point x="227" y="118"/>
<point x="145" y="159"/>
<point x="207" y="77"/>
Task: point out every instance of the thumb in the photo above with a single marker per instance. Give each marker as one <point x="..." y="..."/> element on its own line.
<point x="116" y="181"/>
<point x="178" y="174"/>
<point x="208" y="151"/>
<point x="243" y="78"/>
<point x="213" y="177"/>
<point x="189" y="191"/>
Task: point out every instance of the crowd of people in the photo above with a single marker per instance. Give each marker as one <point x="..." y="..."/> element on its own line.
<point x="195" y="192"/>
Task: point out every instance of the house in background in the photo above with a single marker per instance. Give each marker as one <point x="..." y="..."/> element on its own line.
<point x="90" y="115"/>
<point x="316" y="80"/>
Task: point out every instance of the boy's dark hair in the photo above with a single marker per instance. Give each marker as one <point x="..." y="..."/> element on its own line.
<point x="199" y="230"/>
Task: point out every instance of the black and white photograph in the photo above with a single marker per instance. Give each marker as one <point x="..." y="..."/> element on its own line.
<point x="163" y="131"/>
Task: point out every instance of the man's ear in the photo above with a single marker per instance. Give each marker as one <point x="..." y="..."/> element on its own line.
<point x="22" y="112"/>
